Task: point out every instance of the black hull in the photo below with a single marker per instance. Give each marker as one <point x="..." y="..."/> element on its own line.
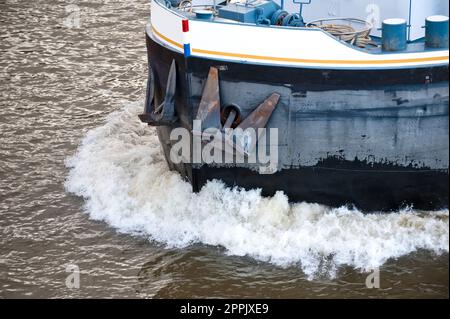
<point x="368" y="190"/>
<point x="333" y="180"/>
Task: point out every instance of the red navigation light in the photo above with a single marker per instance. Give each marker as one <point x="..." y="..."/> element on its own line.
<point x="185" y="24"/>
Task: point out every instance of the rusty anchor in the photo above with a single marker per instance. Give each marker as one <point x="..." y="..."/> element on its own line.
<point x="209" y="109"/>
<point x="210" y="116"/>
<point x="163" y="114"/>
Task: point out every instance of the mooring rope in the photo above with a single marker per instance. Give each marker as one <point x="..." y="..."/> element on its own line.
<point x="185" y="5"/>
<point x="348" y="34"/>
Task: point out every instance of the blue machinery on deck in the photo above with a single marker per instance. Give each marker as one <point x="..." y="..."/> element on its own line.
<point x="263" y="12"/>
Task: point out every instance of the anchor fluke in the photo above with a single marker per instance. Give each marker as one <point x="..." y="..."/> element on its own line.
<point x="163" y="114"/>
<point x="209" y="109"/>
<point x="260" y="116"/>
<point x="244" y="141"/>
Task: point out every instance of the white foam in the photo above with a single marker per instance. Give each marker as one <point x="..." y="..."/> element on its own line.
<point x="120" y="170"/>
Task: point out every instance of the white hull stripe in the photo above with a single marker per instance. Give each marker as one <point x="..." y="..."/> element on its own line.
<point x="242" y="56"/>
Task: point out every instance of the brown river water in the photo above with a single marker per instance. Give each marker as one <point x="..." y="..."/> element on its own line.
<point x="83" y="182"/>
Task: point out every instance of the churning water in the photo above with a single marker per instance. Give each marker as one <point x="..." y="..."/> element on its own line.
<point x="120" y="170"/>
<point x="83" y="182"/>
